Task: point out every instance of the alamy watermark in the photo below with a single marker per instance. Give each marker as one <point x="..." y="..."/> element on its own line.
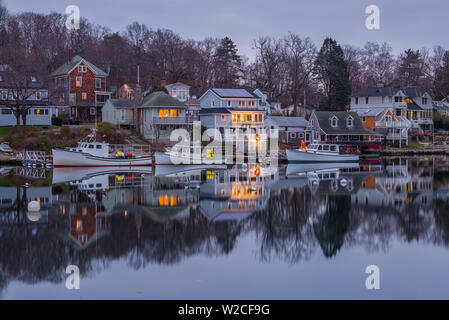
<point x="73" y="19"/>
<point x="73" y="280"/>
<point x="372" y="22"/>
<point x="373" y="280"/>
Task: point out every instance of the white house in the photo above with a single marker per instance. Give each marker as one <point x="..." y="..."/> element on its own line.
<point x="119" y="112"/>
<point x="179" y="91"/>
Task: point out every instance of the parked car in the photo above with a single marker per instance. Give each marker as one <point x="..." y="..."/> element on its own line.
<point x="5" y="148"/>
<point x="71" y="120"/>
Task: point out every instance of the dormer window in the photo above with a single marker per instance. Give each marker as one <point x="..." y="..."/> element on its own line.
<point x="33" y="79"/>
<point x="82" y="69"/>
<point x="241" y="103"/>
<point x="334" y="121"/>
<point x="349" y="122"/>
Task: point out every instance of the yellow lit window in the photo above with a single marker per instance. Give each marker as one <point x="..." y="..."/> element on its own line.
<point x="174" y="113"/>
<point x="79" y="82"/>
<point x="79" y="225"/>
<point x="163" y="113"/>
<point x="84" y="95"/>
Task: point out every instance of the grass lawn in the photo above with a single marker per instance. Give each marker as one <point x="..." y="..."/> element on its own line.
<point x="5" y="131"/>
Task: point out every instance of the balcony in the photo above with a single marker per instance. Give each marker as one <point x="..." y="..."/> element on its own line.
<point x="168" y="120"/>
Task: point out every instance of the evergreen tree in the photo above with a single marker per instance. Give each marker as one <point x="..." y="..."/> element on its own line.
<point x="332" y="72"/>
<point x="227" y="64"/>
<point x="442" y="78"/>
<point x="410" y="69"/>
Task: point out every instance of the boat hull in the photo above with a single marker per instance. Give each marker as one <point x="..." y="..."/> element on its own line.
<point x="304" y="156"/>
<point x="66" y="158"/>
<point x="161" y="158"/>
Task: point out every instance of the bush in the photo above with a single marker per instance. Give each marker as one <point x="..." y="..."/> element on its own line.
<point x="44" y="144"/>
<point x="65" y="131"/>
<point x="56" y="121"/>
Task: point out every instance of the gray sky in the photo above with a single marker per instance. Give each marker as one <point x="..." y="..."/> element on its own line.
<point x="403" y="23"/>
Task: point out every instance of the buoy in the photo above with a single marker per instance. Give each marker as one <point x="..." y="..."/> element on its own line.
<point x="34" y="206"/>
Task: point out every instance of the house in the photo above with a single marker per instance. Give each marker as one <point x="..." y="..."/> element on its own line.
<point x="179" y="91"/>
<point x="342" y="127"/>
<point x="265" y="103"/>
<point x="131" y="91"/>
<point x="193" y="108"/>
<point x="119" y="112"/>
<point x="291" y="130"/>
<point x="231" y="109"/>
<point x="410" y="109"/>
<point x="39" y="109"/>
<point x="160" y="114"/>
<point x="80" y="86"/>
<point x="441" y="107"/>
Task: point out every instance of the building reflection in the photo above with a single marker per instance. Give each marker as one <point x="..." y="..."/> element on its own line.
<point x="290" y="213"/>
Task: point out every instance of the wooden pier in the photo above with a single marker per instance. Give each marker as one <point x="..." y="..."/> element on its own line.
<point x="34" y="159"/>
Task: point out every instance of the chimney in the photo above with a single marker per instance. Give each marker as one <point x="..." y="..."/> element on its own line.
<point x="70" y="55"/>
<point x="163" y="82"/>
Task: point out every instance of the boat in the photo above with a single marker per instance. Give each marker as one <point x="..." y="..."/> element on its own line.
<point x="90" y="153"/>
<point x="319" y="153"/>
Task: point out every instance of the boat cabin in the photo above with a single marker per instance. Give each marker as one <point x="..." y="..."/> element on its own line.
<point x="99" y="149"/>
<point x="334" y="148"/>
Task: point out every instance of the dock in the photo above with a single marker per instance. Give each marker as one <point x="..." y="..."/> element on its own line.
<point x="34" y="159"/>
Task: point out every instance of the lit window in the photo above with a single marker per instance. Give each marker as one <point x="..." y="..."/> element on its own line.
<point x="84" y="95"/>
<point x="79" y="82"/>
<point x="222" y="117"/>
<point x="174" y="113"/>
<point x="163" y="113"/>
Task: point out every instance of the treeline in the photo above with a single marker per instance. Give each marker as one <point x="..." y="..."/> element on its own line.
<point x="292" y="69"/>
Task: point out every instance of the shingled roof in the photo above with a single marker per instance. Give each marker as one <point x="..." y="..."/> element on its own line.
<point x="69" y="65"/>
<point x="288" y="121"/>
<point x="377" y="92"/>
<point x="121" y="103"/>
<point x="324" y="120"/>
<point x="161" y="99"/>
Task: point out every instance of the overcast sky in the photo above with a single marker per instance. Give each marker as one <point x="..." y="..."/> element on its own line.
<point x="403" y="23"/>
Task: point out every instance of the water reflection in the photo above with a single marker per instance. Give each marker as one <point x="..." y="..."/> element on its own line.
<point x="91" y="218"/>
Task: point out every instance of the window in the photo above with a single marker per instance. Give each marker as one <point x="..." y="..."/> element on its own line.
<point x="349" y="122"/>
<point x="252" y="103"/>
<point x="92" y="111"/>
<point x="241" y="103"/>
<point x="174" y="113"/>
<point x="84" y="95"/>
<point x="397" y="99"/>
<point x="91" y="146"/>
<point x="33" y="79"/>
<point x="398" y="112"/>
<point x="38" y="95"/>
<point x="292" y="134"/>
<point x="97" y="83"/>
<point x="79" y="82"/>
<point x="366" y="100"/>
<point x="356" y="100"/>
<point x="82" y="69"/>
<point x="364" y="119"/>
<point x="37" y="111"/>
<point x="424" y="100"/>
<point x="6" y="111"/>
<point x="98" y="146"/>
<point x="4" y="95"/>
<point x="1" y="78"/>
<point x="334" y="122"/>
<point x="222" y="117"/>
<point x="163" y="113"/>
<point x="388" y="118"/>
<point x="229" y="103"/>
<point x="62" y="97"/>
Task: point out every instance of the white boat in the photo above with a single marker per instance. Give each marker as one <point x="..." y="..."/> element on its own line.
<point x="94" y="154"/>
<point x="319" y="153"/>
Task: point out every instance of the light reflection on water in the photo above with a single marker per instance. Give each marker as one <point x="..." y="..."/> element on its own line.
<point x="296" y="232"/>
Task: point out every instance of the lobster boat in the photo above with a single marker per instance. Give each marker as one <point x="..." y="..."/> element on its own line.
<point x="319" y="153"/>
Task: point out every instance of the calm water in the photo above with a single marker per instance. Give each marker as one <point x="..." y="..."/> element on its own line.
<point x="188" y="233"/>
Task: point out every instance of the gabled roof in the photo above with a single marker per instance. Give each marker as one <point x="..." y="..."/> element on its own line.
<point x="177" y="84"/>
<point x="10" y="79"/>
<point x="372" y="112"/>
<point x="234" y="93"/>
<point x="214" y="110"/>
<point x="68" y="67"/>
<point x="289" y="121"/>
<point x="357" y="128"/>
<point x="121" y="103"/>
<point x="377" y="92"/>
<point x="161" y="99"/>
<point x="413" y="92"/>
